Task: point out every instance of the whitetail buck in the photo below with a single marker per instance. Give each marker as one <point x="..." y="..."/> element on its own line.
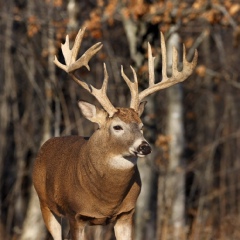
<point x="96" y="180"/>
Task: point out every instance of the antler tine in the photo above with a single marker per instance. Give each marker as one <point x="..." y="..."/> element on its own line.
<point x="71" y="65"/>
<point x="77" y="44"/>
<point x="133" y="86"/>
<point x="151" y="66"/>
<point x="176" y="77"/>
<point x="101" y="94"/>
<point x="164" y="57"/>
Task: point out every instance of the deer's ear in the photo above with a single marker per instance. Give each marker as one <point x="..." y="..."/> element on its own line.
<point x="92" y="113"/>
<point x="141" y="108"/>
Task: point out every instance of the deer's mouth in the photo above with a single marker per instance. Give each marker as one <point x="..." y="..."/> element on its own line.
<point x="133" y="152"/>
<point x="138" y="154"/>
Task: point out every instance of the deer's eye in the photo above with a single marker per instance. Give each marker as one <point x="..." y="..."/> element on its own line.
<point x="117" y="127"/>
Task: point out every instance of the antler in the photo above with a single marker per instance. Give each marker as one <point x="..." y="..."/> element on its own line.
<point x="72" y="65"/>
<point x="166" y="82"/>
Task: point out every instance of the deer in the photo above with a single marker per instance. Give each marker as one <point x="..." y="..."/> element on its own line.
<point x="95" y="180"/>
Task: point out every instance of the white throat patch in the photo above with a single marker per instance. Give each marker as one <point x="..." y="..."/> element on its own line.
<point x="120" y="162"/>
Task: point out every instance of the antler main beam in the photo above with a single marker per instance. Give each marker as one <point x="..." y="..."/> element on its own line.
<point x="71" y="65"/>
<point x="133" y="86"/>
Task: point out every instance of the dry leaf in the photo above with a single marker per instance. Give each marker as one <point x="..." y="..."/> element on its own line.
<point x="201" y="70"/>
<point x="234" y="9"/>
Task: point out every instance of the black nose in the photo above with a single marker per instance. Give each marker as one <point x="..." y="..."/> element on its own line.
<point x="144" y="148"/>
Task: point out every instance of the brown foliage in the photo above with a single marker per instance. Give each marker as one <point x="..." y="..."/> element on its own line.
<point x="211" y="97"/>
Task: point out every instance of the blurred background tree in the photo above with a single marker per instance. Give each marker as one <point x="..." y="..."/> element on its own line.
<point x="190" y="182"/>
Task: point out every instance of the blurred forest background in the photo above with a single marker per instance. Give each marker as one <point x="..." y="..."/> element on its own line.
<point x="191" y="181"/>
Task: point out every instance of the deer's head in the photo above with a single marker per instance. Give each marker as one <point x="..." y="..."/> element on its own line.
<point x="123" y="132"/>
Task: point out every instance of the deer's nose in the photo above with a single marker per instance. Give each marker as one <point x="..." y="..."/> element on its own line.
<point x="144" y="148"/>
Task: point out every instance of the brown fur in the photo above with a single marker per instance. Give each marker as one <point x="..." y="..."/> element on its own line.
<point x="59" y="185"/>
<point x="128" y="115"/>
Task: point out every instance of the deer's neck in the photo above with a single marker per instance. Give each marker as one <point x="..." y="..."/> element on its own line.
<point x="107" y="156"/>
<point x="106" y="173"/>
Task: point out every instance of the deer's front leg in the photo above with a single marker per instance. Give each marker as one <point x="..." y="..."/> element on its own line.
<point x="77" y="229"/>
<point x="123" y="227"/>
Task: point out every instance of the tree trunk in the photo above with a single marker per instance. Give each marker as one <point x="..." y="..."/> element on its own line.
<point x="5" y="88"/>
<point x="34" y="227"/>
<point x="171" y="206"/>
<point x="206" y="125"/>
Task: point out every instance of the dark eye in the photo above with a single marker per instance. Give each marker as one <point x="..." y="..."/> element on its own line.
<point x="118" y="127"/>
